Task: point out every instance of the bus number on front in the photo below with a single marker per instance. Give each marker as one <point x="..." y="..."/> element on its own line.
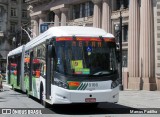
<point x="93" y="84"/>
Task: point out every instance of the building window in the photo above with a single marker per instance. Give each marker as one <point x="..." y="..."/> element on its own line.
<point x="122" y="4"/>
<point x="89" y="9"/>
<point x="125" y="33"/>
<point x="0" y="26"/>
<point x="1" y="12"/>
<point x="14" y="0"/>
<point x="13" y="12"/>
<point x="118" y="5"/>
<point x="83" y="10"/>
<point x="24" y="13"/>
<point x="13" y="27"/>
<point x="125" y="58"/>
<point x="50" y="17"/>
<point x="76" y="11"/>
<point x="126" y="3"/>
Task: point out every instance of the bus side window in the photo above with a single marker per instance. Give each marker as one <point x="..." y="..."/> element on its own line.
<point x="42" y="58"/>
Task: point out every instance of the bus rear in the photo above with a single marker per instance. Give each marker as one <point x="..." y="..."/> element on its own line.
<point x="84" y="70"/>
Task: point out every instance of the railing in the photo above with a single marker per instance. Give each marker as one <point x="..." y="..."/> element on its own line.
<point x="35" y="1"/>
<point x="32" y="1"/>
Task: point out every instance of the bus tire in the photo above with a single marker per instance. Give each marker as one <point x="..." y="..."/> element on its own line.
<point x="28" y="95"/>
<point x="13" y="87"/>
<point x="43" y="102"/>
<point x="41" y="94"/>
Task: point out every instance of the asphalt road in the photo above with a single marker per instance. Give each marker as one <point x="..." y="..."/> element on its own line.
<point x="15" y="99"/>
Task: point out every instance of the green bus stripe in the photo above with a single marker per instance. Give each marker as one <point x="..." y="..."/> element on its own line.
<point x="85" y="86"/>
<point x="80" y="86"/>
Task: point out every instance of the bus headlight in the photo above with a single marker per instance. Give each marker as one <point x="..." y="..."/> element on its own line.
<point x="60" y="83"/>
<point x="115" y="84"/>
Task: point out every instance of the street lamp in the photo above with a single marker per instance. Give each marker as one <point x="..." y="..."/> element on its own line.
<point x="14" y="42"/>
<point x="124" y="59"/>
<point x="118" y="29"/>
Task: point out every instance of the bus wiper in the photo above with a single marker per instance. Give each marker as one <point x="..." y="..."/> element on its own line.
<point x="102" y="73"/>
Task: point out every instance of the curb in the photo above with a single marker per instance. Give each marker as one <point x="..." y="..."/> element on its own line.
<point x="5" y="85"/>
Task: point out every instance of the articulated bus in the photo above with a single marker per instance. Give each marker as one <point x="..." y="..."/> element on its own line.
<point x="67" y="64"/>
<point x="15" y="68"/>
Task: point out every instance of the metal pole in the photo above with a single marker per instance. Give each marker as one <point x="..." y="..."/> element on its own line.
<point x="120" y="43"/>
<point x="16" y="40"/>
<point x="21" y="38"/>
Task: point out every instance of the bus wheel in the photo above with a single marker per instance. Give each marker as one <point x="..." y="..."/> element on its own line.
<point x="28" y="95"/>
<point x="42" y="101"/>
<point x="13" y="87"/>
<point x="41" y="94"/>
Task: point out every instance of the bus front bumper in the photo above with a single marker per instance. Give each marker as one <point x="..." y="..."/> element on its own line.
<point x="63" y="96"/>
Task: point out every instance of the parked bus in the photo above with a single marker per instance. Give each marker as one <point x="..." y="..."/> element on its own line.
<point x="70" y="64"/>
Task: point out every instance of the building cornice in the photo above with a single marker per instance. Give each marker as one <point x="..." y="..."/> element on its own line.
<point x="58" y="7"/>
<point x="35" y="13"/>
<point x="33" y="2"/>
<point x="116" y="14"/>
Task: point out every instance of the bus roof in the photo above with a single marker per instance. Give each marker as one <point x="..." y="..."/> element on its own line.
<point x="62" y="31"/>
<point x="16" y="51"/>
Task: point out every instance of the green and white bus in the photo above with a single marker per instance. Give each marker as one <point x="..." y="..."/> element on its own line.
<point x="67" y="64"/>
<point x="15" y="68"/>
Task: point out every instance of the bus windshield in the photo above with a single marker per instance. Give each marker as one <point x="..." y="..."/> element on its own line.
<point x="84" y="58"/>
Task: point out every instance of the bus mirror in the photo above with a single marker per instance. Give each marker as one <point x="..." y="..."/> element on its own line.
<point x="50" y="50"/>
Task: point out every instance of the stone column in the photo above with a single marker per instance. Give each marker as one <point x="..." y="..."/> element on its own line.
<point x="147" y="45"/>
<point x="97" y="13"/>
<point x="64" y="16"/>
<point x="106" y="16"/>
<point x="57" y="17"/>
<point x="35" y="26"/>
<point x="133" y="45"/>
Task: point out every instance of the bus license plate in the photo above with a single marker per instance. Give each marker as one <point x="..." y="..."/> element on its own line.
<point x="90" y="100"/>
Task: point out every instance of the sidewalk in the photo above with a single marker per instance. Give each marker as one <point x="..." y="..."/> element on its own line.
<point x="134" y="99"/>
<point x="140" y="99"/>
<point x="5" y="84"/>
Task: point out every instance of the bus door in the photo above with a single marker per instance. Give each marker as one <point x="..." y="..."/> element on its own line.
<point x="9" y="70"/>
<point x="30" y="70"/>
<point x="50" y="70"/>
<point x="18" y="69"/>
